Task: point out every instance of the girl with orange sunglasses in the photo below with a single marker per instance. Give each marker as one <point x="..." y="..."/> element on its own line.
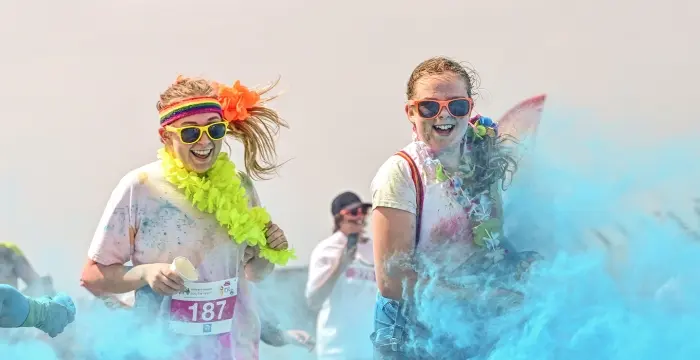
<point x="437" y="217"/>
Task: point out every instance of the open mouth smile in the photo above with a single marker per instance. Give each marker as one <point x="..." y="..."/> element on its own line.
<point x="444" y="129"/>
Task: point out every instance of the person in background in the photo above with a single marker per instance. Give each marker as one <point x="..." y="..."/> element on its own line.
<point x="50" y="315"/>
<point x="342" y="284"/>
<point x="14" y="266"/>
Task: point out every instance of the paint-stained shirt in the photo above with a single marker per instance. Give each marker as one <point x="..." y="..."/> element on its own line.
<point x="445" y="223"/>
<point x="445" y="242"/>
<point x="148" y="220"/>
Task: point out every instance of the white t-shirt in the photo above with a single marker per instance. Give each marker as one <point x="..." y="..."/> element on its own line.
<point x="445" y="224"/>
<point x="393" y="187"/>
<point x="346" y="318"/>
<point x="149" y="220"/>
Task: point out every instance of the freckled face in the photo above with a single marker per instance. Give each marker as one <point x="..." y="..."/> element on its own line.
<point x="445" y="130"/>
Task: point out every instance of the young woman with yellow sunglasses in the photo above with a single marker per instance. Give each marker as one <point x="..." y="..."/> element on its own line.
<point x="193" y="206"/>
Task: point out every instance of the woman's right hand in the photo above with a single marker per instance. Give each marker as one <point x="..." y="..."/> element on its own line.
<point x="162" y="279"/>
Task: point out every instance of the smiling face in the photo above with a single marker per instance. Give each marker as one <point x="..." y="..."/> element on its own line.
<point x="201" y="155"/>
<point x="445" y="130"/>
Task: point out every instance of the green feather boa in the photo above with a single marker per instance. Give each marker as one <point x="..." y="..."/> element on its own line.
<point x="221" y="193"/>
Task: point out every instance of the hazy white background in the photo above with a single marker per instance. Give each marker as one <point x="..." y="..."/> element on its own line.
<point x="80" y="79"/>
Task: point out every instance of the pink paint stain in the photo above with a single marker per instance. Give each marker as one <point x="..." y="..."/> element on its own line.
<point x="455" y="229"/>
<point x="361" y="274"/>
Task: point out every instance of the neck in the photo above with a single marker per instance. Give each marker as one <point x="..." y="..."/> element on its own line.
<point x="346" y="233"/>
<point x="450" y="156"/>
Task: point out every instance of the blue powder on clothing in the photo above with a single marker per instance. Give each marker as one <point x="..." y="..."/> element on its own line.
<point x="616" y="223"/>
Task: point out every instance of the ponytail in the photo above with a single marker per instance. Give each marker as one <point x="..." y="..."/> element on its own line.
<point x="257" y="134"/>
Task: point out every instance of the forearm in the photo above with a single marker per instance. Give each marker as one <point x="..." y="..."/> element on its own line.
<point x="398" y="284"/>
<point x="27" y="273"/>
<point x="317" y="296"/>
<point x="396" y="274"/>
<point x="271" y="335"/>
<point x="116" y="279"/>
<point x="257" y="269"/>
<point x="14" y="307"/>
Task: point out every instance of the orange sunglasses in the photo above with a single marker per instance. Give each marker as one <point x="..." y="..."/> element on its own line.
<point x="430" y="109"/>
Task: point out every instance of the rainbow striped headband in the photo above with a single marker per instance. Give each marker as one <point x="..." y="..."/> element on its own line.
<point x="192" y="106"/>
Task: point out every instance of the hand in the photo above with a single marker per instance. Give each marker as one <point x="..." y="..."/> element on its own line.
<point x="348" y="256"/>
<point x="275" y="237"/>
<point x="163" y="280"/>
<point x="300" y="338"/>
<point x="250" y="253"/>
<point x="59" y="311"/>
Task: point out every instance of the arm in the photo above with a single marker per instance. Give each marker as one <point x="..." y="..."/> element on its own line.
<point x="112" y="279"/>
<point x="393" y="227"/>
<point x="112" y="246"/>
<point x="393" y="234"/>
<point x="257" y="268"/>
<point x="24" y="270"/>
<point x="14" y="307"/>
<point x="50" y="315"/>
<point x="325" y="267"/>
<point x="271" y="334"/>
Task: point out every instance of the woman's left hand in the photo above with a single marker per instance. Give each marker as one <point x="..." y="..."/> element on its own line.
<point x="276" y="239"/>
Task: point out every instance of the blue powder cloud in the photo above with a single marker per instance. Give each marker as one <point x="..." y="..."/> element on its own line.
<point x="619" y="279"/>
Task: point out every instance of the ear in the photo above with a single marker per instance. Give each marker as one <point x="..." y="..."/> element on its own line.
<point x="164" y="137"/>
<point x="409" y="113"/>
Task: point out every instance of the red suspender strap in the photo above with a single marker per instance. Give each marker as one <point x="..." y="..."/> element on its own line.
<point x="418" y="182"/>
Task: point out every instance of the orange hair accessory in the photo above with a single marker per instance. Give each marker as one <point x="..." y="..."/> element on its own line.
<point x="236" y="101"/>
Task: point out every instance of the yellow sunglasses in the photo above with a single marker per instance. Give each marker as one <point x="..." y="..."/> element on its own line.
<point x="193" y="133"/>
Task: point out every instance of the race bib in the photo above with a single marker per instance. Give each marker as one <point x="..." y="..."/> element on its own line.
<point x="204" y="308"/>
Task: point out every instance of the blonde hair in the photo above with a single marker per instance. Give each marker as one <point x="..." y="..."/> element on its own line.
<point x="256" y="133"/>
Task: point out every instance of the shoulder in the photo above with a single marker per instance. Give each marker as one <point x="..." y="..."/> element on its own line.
<point x="331" y="244"/>
<point x="142" y="175"/>
<point x="393" y="186"/>
<point x="246" y="181"/>
<point x="249" y="187"/>
<point x="395" y="168"/>
<point x="11" y="248"/>
<point x="136" y="182"/>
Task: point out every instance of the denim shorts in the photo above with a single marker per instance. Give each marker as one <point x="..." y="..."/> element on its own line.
<point x="390" y="333"/>
<point x="395" y="337"/>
